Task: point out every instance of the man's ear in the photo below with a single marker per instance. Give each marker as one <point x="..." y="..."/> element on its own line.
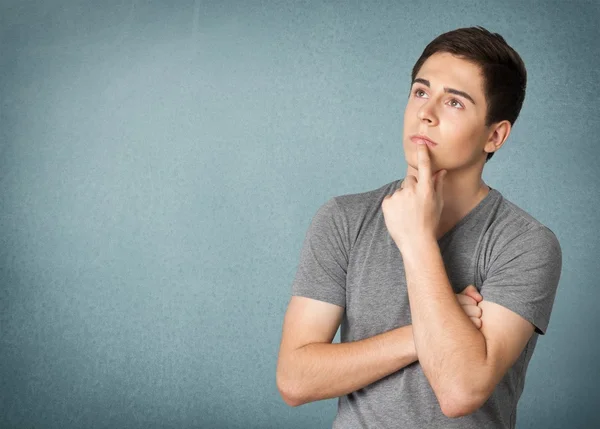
<point x="498" y="134"/>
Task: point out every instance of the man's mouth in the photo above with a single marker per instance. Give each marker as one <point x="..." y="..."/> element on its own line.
<point x="423" y="140"/>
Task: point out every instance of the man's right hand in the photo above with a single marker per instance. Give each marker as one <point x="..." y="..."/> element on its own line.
<point x="468" y="299"/>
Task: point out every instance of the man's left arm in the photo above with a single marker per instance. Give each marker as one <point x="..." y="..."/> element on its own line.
<point x="462" y="363"/>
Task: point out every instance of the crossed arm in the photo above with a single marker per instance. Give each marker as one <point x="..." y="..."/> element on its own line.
<point x="310" y="368"/>
<point x="463" y="364"/>
<point x="442" y="338"/>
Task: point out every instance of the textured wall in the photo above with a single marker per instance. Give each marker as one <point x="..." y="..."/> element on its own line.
<point x="160" y="164"/>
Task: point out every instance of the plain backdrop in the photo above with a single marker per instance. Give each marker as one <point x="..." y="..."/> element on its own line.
<point x="160" y="164"/>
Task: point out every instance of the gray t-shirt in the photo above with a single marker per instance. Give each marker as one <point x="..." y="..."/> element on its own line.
<point x="349" y="259"/>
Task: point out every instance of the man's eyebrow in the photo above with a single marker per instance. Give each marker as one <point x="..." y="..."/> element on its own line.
<point x="449" y="90"/>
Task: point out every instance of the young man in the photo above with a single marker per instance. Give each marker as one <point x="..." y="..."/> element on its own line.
<point x="441" y="285"/>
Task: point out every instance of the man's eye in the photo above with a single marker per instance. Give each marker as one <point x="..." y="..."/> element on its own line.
<point x="454" y="100"/>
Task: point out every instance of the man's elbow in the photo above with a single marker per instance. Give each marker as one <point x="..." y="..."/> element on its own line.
<point x="288" y="391"/>
<point x="462" y="403"/>
<point x="289" y="398"/>
<point x="455" y="409"/>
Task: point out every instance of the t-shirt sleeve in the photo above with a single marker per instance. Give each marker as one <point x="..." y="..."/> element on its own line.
<point x="524" y="276"/>
<point x="321" y="272"/>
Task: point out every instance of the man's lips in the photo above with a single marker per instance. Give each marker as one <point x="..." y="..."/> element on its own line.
<point x="418" y="139"/>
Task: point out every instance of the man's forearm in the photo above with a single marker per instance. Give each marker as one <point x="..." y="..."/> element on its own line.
<point x="325" y="370"/>
<point x="449" y="347"/>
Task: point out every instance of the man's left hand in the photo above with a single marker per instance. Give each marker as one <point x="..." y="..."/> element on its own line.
<point x="413" y="212"/>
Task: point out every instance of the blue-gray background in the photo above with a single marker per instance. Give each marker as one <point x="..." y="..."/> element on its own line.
<point x="160" y="164"/>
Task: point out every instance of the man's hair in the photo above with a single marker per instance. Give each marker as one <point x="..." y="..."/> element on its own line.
<point x="503" y="71"/>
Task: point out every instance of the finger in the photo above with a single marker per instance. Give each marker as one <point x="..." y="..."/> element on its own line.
<point x="476" y="321"/>
<point x="466" y="300"/>
<point x="472" y="292"/>
<point x="472" y="311"/>
<point x="424" y="164"/>
<point x="409" y="180"/>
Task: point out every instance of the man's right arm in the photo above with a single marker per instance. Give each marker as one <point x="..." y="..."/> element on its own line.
<point x="310" y="368"/>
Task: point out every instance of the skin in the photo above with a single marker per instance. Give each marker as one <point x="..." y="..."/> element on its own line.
<point x="462" y="363"/>
<point x="458" y="126"/>
<point x="310" y="368"/>
<point x="463" y="343"/>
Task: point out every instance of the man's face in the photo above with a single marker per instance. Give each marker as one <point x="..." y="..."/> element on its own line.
<point x="454" y="122"/>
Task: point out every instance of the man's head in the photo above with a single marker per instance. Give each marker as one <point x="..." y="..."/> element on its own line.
<point x="480" y="65"/>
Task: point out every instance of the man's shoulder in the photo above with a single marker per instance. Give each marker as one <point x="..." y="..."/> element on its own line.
<point x="360" y="203"/>
<point x="510" y="221"/>
<point x="356" y="213"/>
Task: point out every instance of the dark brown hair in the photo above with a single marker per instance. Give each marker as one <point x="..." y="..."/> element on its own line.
<point x="503" y="71"/>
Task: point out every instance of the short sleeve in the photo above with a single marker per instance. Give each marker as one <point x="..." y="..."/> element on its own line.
<point x="321" y="272"/>
<point x="524" y="276"/>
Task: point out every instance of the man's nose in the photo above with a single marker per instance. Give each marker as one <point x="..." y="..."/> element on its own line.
<point x="427" y="113"/>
